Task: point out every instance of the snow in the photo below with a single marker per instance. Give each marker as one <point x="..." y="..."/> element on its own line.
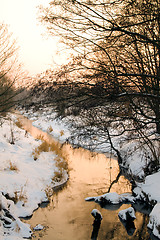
<point x="135" y="157"/>
<point x="24" y="182"/>
<point x="30" y="181"/>
<point x="45" y="119"/>
<point x="38" y="227"/>
<point x="123" y="214"/>
<point x="12" y="227"/>
<point x="96" y="214"/>
<point x="154" y="220"/>
<point x="112" y="198"/>
<point x="149" y="188"/>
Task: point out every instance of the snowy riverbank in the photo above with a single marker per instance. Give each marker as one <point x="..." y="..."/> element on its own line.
<point x="26" y="180"/>
<point x="135" y="160"/>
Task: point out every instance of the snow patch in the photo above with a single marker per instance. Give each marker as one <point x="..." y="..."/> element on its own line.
<point x="127" y="214"/>
<point x="112" y="198"/>
<point x="154" y="220"/>
<point x="24" y="182"/>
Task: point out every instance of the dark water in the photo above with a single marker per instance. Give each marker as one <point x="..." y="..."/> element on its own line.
<point x="68" y="215"/>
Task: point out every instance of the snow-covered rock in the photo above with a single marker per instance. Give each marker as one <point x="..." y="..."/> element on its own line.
<point x="149" y="188"/>
<point x="154" y="220"/>
<point x="127" y="217"/>
<point x="112" y="198"/>
<point x="11" y="227"/>
<point x="96" y="214"/>
<point x="127" y="214"/>
<point x="38" y="227"/>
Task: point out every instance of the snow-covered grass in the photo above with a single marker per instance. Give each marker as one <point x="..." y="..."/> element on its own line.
<point x="25" y="182"/>
<point x="45" y="119"/>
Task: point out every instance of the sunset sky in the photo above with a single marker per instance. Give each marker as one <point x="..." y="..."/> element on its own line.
<point x="37" y="51"/>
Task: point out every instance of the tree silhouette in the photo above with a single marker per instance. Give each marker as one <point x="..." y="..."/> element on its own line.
<point x="117" y="65"/>
<point x="9" y="70"/>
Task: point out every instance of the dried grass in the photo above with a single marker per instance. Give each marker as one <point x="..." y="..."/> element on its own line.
<point x="43" y="147"/>
<point x="49" y="191"/>
<point x="19" y="195"/>
<point x="13" y="167"/>
<point x="58" y="176"/>
<point x="61" y="133"/>
<point x="40" y="137"/>
<point x="19" y="124"/>
<point x="61" y="163"/>
<point x="50" y="129"/>
<point x="62" y="166"/>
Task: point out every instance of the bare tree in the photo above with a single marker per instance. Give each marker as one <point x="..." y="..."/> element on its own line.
<point x="9" y="70"/>
<point x="117" y="65"/>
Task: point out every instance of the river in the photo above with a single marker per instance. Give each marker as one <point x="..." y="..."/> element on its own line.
<point x="67" y="216"/>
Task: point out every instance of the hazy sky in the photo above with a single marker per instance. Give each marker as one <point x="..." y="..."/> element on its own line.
<point x="36" y="51"/>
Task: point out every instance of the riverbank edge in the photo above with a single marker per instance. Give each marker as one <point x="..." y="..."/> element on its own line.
<point x="16" y="151"/>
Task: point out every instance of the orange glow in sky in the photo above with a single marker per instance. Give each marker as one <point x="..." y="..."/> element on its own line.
<point x="37" y="52"/>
